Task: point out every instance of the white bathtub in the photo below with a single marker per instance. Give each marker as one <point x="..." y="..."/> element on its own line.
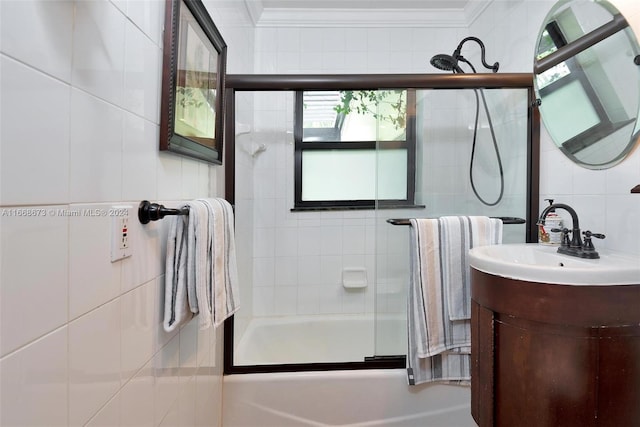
<point x="319" y="339"/>
<point x="359" y="398"/>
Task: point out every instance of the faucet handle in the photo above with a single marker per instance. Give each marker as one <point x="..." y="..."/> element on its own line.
<point x="565" y="235"/>
<point x="588" y="235"/>
<point x="588" y="244"/>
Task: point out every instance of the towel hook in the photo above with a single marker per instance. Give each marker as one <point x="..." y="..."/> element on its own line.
<point x="148" y="211"/>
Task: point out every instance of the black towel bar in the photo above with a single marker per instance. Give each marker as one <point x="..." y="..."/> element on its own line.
<point x="148" y="211"/>
<point x="505" y="220"/>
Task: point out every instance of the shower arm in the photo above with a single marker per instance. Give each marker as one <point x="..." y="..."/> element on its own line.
<point x="458" y="55"/>
<point x="463" y="59"/>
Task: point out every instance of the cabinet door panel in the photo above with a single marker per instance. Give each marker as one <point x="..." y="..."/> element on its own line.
<point x="544" y="378"/>
<point x="482" y="369"/>
<point x="619" y="388"/>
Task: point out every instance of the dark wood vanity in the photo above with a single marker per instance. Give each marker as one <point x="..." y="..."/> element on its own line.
<point x="554" y="355"/>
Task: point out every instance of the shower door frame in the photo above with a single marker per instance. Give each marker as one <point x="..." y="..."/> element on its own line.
<point x="298" y="82"/>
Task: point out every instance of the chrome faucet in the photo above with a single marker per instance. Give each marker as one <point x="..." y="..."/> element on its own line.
<point x="575" y="246"/>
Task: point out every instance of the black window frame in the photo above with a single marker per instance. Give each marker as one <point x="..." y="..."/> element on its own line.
<point x="409" y="144"/>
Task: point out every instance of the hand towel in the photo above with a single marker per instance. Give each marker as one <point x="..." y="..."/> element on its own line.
<point x="223" y="292"/>
<point x="176" y="304"/>
<point x="197" y="250"/>
<point x="201" y="268"/>
<point x="439" y="332"/>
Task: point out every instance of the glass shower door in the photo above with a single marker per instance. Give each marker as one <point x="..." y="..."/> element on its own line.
<point x="445" y="126"/>
<point x="307" y="273"/>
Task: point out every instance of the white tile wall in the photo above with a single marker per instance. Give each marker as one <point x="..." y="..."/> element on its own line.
<point x="34" y="383"/>
<point x="139" y="159"/>
<point x="142" y="75"/>
<point x="136" y="399"/>
<point x="43" y="140"/>
<point x="81" y="339"/>
<point x="95" y="151"/>
<point x="34" y="298"/>
<point x="94" y="361"/>
<point x="137" y="315"/>
<point x="108" y="415"/>
<point x="98" y="50"/>
<point x="39" y="33"/>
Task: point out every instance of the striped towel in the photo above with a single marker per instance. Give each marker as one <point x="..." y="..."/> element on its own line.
<point x="176" y="304"/>
<point x="439" y="298"/>
<point x="201" y="270"/>
<point x="222" y="293"/>
<point x="197" y="250"/>
<point x="458" y="234"/>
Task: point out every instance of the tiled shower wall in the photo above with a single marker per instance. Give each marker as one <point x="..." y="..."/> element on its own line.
<point x="299" y="257"/>
<point x="81" y="337"/>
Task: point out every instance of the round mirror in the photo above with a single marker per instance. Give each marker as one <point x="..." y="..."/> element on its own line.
<point x="587" y="80"/>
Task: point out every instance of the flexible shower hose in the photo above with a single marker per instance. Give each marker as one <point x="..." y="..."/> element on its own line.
<point x="495" y="147"/>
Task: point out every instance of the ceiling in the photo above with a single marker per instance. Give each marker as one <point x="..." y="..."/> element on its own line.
<point x="365" y="13"/>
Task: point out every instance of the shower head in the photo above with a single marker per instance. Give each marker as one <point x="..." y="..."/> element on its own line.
<point x="450" y="62"/>
<point x="446" y="63"/>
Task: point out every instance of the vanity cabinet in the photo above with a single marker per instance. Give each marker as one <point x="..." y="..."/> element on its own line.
<point x="554" y="355"/>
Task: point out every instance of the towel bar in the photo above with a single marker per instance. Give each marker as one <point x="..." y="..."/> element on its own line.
<point x="505" y="220"/>
<point x="148" y="211"/>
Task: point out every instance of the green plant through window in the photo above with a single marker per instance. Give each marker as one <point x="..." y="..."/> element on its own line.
<point x="386" y="105"/>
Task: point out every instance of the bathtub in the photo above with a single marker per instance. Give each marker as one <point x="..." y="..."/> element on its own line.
<point x="319" y="339"/>
<point x="359" y="398"/>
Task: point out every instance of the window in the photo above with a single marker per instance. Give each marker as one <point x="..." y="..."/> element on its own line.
<point x="354" y="148"/>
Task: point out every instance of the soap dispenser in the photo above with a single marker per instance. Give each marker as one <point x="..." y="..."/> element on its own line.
<point x="553" y="221"/>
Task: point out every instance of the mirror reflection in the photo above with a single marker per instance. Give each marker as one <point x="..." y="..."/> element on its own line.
<point x="196" y="83"/>
<point x="588" y="82"/>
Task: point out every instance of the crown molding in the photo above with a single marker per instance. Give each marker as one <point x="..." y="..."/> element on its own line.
<point x="255" y="9"/>
<point x="474" y="9"/>
<point x="319" y="17"/>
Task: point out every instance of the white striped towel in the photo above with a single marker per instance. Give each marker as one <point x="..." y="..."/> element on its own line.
<point x="201" y="270"/>
<point x="458" y="234"/>
<point x="176" y="304"/>
<point x="197" y="251"/>
<point x="223" y="293"/>
<point x="439" y="295"/>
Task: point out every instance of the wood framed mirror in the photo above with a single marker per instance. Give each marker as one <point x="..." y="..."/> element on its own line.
<point x="193" y="73"/>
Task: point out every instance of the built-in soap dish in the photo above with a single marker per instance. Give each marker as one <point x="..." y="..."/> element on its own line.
<point x="354" y="278"/>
